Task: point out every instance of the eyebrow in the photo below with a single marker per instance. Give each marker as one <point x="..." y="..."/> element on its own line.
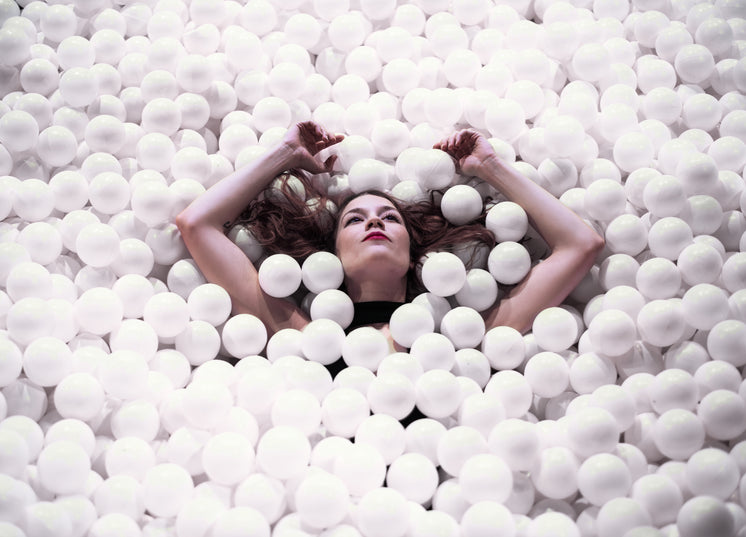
<point x="379" y="210"/>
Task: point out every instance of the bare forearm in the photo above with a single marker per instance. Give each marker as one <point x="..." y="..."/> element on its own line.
<point x="556" y="223"/>
<point x="224" y="201"/>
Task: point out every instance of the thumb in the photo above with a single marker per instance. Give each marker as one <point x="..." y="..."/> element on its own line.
<point x="329" y="163"/>
<point x="314" y="165"/>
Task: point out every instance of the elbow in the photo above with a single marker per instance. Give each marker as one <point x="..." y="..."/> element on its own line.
<point x="597" y="243"/>
<point x="185" y="223"/>
<point x="593" y="245"/>
<point x="181" y="221"/>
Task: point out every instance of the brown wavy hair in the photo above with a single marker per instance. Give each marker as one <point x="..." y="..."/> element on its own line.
<point x="283" y="222"/>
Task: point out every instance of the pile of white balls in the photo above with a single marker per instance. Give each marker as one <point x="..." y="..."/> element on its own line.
<point x="623" y="415"/>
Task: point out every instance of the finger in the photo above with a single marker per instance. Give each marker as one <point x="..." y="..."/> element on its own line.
<point x="329" y="163"/>
<point x="332" y="139"/>
<point x="453" y="143"/>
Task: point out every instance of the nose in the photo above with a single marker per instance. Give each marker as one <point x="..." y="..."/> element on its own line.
<point x="374" y="221"/>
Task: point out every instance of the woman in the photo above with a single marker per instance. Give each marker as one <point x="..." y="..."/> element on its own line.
<point x="372" y="238"/>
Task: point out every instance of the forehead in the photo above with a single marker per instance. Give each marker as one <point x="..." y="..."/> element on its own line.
<point x="367" y="201"/>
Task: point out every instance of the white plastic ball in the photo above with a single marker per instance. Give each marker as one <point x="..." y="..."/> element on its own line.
<point x="209" y="302"/>
<point x="701" y="111"/>
<point x="479" y="291"/>
<point x="712" y="472"/>
<point x="516" y="442"/>
<point x="443" y="273"/>
<point x="509" y="262"/>
<point x="694" y="63"/>
<point x="47" y="360"/>
<point x="555" y="329"/>
<point x="504" y="347"/>
<point x="704" y="305"/>
<point x="280" y="275"/>
<point x="321" y="271"/>
<point x="369" y="174"/>
<point x="98" y="310"/>
<point x="347" y="31"/>
<point x="283" y="452"/>
<point x="155" y="150"/>
<point x="437" y="393"/>
<point x="664" y="196"/>
<point x="602" y="477"/>
<point x="723" y="414"/>
<point x="228" y="458"/>
<point x="702" y="515"/>
<point x="15" y="453"/>
<point x="660" y="496"/>
<point x="612" y="332"/>
<point x="555" y="472"/>
<point x="658" y="278"/>
<point x="323" y="340"/>
<point x="56" y="145"/>
<point x="464" y="326"/>
<point x="365" y="347"/>
<point x="457" y="446"/>
<point x="626" y="234"/>
<point x="604" y="200"/>
<point x="392" y="394"/>
<point x="678" y="433"/>
<point x="19" y="130"/>
<point x="433" y="351"/>
<point x="152" y="203"/>
<point x="505" y="119"/>
<point x="321" y="500"/>
<point x="461" y="204"/>
<point x="513" y="390"/>
<point x="343" y="410"/>
<point x="244" y="335"/>
<point x="409" y="322"/>
<point x="166" y="487"/>
<point x="414" y="476"/>
<point x="29" y="279"/>
<point x="333" y="304"/>
<point x="109" y="192"/>
<point x="563" y="135"/>
<point x="63" y="467"/>
<point x="485" y="477"/>
<point x="28" y="319"/>
<point x="592" y="430"/>
<point x="361" y="467"/>
<point x="619" y="515"/>
<point x="390" y="137"/>
<point x="590" y="61"/>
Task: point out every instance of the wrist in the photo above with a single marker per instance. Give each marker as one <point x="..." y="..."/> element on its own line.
<point x="484" y="165"/>
<point x="288" y="154"/>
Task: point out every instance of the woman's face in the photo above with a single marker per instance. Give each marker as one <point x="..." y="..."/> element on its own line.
<point x="372" y="239"/>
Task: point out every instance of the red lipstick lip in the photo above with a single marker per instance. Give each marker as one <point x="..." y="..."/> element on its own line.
<point x="376" y="235"/>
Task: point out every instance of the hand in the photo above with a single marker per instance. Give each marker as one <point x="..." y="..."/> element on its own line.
<point x="469" y="149"/>
<point x="306" y="139"/>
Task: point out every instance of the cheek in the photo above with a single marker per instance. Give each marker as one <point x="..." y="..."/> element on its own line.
<point x="340" y="244"/>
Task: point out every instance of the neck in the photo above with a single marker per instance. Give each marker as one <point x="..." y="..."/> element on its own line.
<point x="370" y="291"/>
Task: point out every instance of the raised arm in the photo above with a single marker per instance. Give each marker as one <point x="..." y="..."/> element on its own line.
<point x="202" y="224"/>
<point x="573" y="243"/>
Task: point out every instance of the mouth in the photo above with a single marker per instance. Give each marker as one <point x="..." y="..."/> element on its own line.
<point x="376" y="236"/>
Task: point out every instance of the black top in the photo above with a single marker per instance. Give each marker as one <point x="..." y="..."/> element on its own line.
<point x="374" y="312"/>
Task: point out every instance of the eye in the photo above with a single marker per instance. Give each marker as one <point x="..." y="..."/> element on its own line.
<point x="353" y="219"/>
<point x="392" y="216"/>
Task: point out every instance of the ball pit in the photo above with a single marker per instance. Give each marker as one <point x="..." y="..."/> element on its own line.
<point x="135" y="401"/>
